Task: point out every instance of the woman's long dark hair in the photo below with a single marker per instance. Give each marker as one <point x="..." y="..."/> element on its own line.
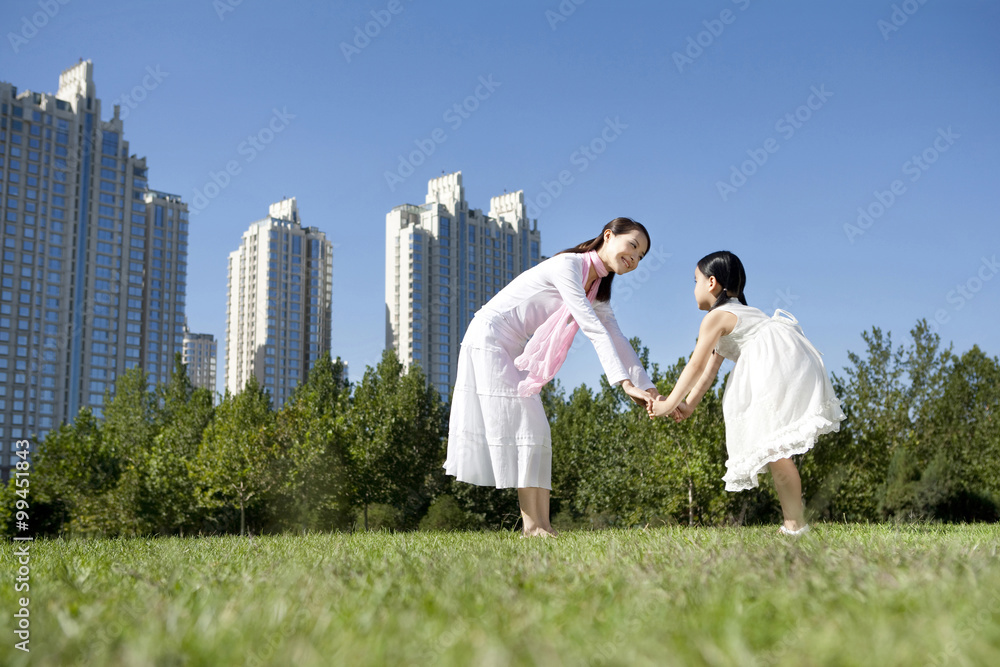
<point x="727" y="269"/>
<point x="617" y="226"/>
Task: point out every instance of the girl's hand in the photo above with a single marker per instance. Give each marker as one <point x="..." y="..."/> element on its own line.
<point x="659" y="407"/>
<point x="682" y="412"/>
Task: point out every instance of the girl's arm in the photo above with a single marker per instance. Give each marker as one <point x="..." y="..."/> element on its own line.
<point x="705" y="381"/>
<point x="688" y="405"/>
<point x="716" y="324"/>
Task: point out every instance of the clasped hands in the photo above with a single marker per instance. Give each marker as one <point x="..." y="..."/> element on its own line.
<point x="655" y="404"/>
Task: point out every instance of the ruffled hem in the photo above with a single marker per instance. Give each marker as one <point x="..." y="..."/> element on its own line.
<point x="798" y="438"/>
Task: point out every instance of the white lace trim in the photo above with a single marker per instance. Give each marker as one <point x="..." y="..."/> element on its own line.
<point x="796" y="438"/>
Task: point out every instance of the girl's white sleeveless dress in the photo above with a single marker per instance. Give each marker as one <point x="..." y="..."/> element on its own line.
<point x="778" y="399"/>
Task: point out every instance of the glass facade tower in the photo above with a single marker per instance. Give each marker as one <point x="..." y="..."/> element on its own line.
<point x="278" y="305"/>
<point x="443" y="261"/>
<point x="93" y="277"/>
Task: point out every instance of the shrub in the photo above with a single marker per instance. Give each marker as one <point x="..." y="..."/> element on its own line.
<point x="380" y="517"/>
<point x="446" y="514"/>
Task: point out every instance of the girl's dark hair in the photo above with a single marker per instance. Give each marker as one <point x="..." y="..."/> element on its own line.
<point x="617" y="226"/>
<point x="728" y="272"/>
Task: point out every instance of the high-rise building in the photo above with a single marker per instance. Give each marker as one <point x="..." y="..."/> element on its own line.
<point x="164" y="288"/>
<point x="200" y="352"/>
<point x="94" y="265"/>
<point x="443" y="261"/>
<point x="278" y="303"/>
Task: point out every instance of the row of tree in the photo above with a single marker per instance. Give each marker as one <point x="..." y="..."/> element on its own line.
<point x="165" y="461"/>
<point x="920" y="442"/>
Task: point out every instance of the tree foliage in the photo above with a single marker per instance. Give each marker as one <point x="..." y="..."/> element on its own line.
<point x="312" y="440"/>
<point x="237" y="456"/>
<point x="396" y="438"/>
<point x="170" y="483"/>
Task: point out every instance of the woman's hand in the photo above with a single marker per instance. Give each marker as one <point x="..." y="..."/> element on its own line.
<point x="639" y="396"/>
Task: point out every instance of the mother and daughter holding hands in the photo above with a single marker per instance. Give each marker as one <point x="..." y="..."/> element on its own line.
<point x="777" y="400"/>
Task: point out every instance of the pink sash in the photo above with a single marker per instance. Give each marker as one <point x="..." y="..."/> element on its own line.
<point x="547" y="349"/>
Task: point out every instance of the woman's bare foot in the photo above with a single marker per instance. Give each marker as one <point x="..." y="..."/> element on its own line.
<point x="534" y="504"/>
<point x="538" y="531"/>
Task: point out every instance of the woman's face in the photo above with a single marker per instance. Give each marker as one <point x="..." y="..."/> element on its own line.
<point x="621" y="252"/>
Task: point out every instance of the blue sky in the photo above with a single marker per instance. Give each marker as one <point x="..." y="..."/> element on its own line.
<point x="757" y="127"/>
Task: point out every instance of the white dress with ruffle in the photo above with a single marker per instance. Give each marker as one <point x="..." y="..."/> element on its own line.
<point x="495" y="436"/>
<point x="778" y="398"/>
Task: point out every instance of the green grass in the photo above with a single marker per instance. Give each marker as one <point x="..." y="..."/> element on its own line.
<point x="841" y="595"/>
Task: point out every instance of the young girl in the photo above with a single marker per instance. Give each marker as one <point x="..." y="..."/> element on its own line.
<point x="498" y="434"/>
<point x="778" y="398"/>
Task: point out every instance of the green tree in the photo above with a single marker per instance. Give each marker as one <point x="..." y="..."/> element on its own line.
<point x="72" y="472"/>
<point x="127" y="432"/>
<point x="845" y="470"/>
<point x="692" y="456"/>
<point x="397" y="431"/>
<point x="237" y="456"/>
<point x="948" y="470"/>
<point x="169" y="497"/>
<point x="312" y="437"/>
<point x="605" y="465"/>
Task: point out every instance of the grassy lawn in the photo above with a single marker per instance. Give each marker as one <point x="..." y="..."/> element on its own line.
<point x="841" y="595"/>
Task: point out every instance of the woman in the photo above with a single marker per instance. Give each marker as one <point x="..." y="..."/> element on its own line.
<point x="498" y="433"/>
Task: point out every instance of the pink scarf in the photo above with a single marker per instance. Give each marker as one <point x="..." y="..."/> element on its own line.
<point x="547" y="349"/>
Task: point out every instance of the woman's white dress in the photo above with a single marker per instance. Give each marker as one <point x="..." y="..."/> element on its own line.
<point x="496" y="437"/>
<point x="778" y="399"/>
